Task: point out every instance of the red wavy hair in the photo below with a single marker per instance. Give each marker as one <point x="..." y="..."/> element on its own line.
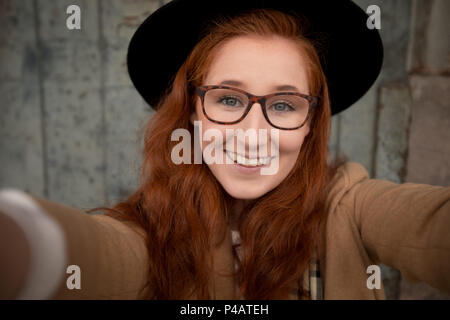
<point x="182" y="206"/>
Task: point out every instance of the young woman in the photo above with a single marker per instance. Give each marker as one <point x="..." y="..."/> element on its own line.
<point x="309" y="228"/>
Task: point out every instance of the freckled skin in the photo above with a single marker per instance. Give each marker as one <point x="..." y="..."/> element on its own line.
<point x="260" y="64"/>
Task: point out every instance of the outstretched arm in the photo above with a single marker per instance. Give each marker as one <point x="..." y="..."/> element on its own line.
<point x="111" y="255"/>
<point x="406" y="226"/>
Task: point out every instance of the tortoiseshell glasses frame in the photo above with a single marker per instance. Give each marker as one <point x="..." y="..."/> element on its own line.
<point x="202" y="90"/>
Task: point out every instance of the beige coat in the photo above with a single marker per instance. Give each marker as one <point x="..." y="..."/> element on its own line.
<point x="370" y="221"/>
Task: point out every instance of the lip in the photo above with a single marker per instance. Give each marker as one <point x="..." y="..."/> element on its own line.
<point x="246" y="169"/>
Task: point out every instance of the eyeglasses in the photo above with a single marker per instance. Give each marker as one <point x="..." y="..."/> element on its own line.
<point x="282" y="110"/>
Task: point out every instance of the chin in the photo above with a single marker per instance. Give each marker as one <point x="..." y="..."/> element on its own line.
<point x="246" y="192"/>
<point x="241" y="187"/>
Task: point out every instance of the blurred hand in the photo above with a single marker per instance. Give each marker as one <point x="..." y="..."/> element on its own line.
<point x="14" y="258"/>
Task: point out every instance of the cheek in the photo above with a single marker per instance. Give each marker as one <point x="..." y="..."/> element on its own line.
<point x="291" y="144"/>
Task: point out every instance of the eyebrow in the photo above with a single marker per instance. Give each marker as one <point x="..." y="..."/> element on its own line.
<point x="278" y="88"/>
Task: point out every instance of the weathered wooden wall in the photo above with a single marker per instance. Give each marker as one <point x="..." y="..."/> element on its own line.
<point x="69" y="113"/>
<point x="70" y="118"/>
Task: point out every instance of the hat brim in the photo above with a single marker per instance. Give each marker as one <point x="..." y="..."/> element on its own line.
<point x="351" y="61"/>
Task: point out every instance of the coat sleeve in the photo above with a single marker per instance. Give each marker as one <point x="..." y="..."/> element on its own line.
<point x="111" y="255"/>
<point x="405" y="226"/>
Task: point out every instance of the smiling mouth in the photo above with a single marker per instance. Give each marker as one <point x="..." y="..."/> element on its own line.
<point x="244" y="161"/>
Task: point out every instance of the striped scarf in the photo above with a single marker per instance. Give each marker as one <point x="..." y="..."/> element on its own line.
<point x="310" y="281"/>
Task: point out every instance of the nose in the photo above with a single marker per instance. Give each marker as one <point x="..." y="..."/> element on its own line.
<point x="255" y="118"/>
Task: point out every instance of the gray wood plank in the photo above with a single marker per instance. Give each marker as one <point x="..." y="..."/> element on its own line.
<point x="73" y="122"/>
<point x="21" y="144"/>
<point x="394" y="117"/>
<point x="125" y="111"/>
<point x="429" y="146"/>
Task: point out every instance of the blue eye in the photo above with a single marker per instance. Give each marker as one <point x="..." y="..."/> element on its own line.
<point x="229" y="101"/>
<point x="282" y="107"/>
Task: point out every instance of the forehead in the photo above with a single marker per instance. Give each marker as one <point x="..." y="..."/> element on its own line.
<point x="260" y="64"/>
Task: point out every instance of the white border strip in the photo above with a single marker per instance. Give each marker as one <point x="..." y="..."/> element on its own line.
<point x="47" y="243"/>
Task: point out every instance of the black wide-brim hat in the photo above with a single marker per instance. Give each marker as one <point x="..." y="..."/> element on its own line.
<point x="351" y="53"/>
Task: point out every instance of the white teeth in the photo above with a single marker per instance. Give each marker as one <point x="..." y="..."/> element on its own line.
<point x="249" y="162"/>
<point x="246" y="162"/>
